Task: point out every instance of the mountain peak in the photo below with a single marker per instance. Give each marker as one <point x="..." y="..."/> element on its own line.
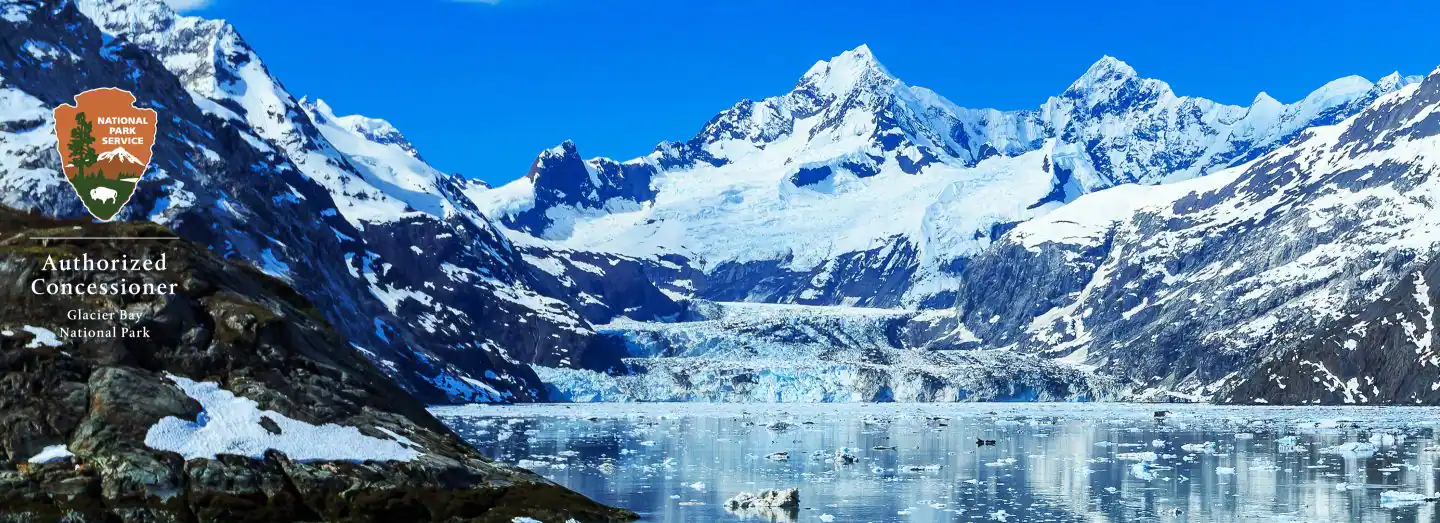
<point x="200" y="51"/>
<point x="114" y="11"/>
<point x="1393" y="77"/>
<point x="1396" y="80"/>
<point x="847" y="71"/>
<point x="1106" y="70"/>
<point x="377" y="130"/>
<point x="1346" y="87"/>
<point x="149" y="20"/>
<point x="1110" y="80"/>
<point x="566" y="148"/>
<point x="1265" y="100"/>
<point x="564" y="154"/>
<point x="863" y="51"/>
<point x="317" y="107"/>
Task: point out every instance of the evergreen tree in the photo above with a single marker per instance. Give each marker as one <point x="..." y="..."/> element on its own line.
<point x="82" y="145"/>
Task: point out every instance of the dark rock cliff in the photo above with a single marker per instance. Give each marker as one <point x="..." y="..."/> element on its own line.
<point x="1381" y="354"/>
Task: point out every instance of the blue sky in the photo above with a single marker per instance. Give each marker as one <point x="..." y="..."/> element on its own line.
<point x="482" y="86"/>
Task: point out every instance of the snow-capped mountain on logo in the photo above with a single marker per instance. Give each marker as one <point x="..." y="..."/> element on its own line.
<point x="120" y="155"/>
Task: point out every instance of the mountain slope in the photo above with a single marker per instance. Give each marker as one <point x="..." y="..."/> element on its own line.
<point x="855" y="188"/>
<point x="1185" y="289"/>
<point x="333" y="205"/>
<point x="238" y="403"/>
<point x="1380" y="354"/>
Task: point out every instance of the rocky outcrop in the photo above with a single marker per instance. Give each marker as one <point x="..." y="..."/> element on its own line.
<point x="80" y="408"/>
<point x="560" y="177"/>
<point x="1382" y="354"/>
<point x="774" y="505"/>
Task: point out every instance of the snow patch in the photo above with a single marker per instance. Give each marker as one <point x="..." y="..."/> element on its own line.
<point x="229" y="424"/>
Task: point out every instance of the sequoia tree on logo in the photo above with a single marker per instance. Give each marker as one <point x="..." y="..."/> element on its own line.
<point x="105" y="146"/>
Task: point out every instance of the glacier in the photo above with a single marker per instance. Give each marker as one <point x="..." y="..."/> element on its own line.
<point x="749" y="352"/>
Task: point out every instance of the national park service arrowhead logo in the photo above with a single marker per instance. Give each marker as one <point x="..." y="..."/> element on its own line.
<point x="105" y="145"/>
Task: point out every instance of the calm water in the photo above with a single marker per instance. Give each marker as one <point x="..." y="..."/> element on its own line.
<point x="1050" y="462"/>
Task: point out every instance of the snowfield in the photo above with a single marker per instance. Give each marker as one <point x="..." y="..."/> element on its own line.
<point x="230" y="424"/>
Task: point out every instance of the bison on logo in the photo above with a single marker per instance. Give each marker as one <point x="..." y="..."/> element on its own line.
<point x="105" y="145"/>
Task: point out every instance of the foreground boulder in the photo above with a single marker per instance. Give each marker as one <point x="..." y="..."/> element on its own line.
<point x="228" y="400"/>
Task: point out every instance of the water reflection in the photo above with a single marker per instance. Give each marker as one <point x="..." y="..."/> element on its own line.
<point x="921" y="463"/>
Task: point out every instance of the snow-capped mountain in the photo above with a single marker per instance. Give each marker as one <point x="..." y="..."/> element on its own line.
<point x="118" y="154"/>
<point x="854" y="239"/>
<point x="857" y="189"/>
<point x="341" y="207"/>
